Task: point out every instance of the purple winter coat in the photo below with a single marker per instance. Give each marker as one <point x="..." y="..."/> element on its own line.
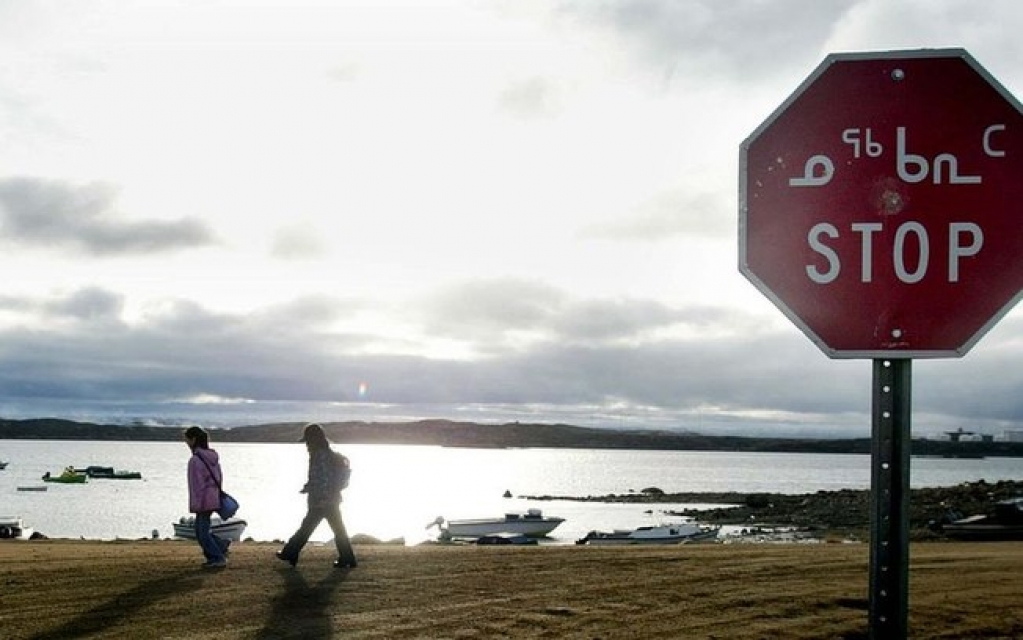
<point x="203" y="492"/>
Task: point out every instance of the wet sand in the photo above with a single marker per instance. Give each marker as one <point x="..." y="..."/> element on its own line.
<point x="58" y="589"/>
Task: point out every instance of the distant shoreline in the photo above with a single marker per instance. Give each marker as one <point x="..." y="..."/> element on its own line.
<point x="448" y="433"/>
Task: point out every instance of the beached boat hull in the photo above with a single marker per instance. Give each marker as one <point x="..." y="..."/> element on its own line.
<point x="668" y="534"/>
<point x="532" y="524"/>
<point x="505" y="538"/>
<point x="228" y="530"/>
<point x="1006" y="524"/>
<point x="983" y="531"/>
<point x="12" y="528"/>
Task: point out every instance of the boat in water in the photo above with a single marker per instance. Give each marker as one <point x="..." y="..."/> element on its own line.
<point x="657" y="534"/>
<point x="231" y="529"/>
<point x="12" y="528"/>
<point x="94" y="471"/>
<point x="3" y="464"/>
<point x="532" y="524"/>
<point x="68" y="476"/>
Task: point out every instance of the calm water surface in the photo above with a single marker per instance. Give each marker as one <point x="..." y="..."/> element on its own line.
<point x="397" y="490"/>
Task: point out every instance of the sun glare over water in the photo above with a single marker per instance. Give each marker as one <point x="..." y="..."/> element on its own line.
<point x="396" y="491"/>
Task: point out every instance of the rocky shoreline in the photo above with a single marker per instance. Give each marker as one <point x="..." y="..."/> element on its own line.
<point x="841" y="514"/>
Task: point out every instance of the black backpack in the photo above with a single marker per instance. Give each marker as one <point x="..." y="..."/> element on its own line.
<point x="342" y="471"/>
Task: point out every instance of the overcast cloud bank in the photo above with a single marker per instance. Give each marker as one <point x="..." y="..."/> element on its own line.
<point x="507" y="211"/>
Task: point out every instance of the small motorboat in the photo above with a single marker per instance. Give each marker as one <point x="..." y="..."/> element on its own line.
<point x="68" y="476"/>
<point x="94" y="471"/>
<point x="3" y="464"/>
<point x="659" y="534"/>
<point x="532" y="524"/>
<point x="231" y="529"/>
<point x="1005" y="524"/>
<point x="12" y="528"/>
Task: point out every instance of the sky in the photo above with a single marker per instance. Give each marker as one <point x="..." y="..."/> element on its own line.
<point x="244" y="212"/>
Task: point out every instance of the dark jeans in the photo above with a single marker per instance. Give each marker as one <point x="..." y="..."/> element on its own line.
<point x="212" y="546"/>
<point x="313" y="517"/>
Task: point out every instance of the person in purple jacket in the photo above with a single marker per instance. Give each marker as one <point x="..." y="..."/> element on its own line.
<point x="204" y="480"/>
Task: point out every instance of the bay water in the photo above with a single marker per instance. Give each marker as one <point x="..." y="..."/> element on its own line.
<point x="397" y="490"/>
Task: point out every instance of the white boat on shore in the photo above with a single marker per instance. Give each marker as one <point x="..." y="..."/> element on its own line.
<point x="532" y="524"/>
<point x="13" y="528"/>
<point x="227" y="529"/>
<point x="659" y="534"/>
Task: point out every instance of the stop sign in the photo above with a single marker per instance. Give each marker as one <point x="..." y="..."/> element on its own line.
<point x="881" y="205"/>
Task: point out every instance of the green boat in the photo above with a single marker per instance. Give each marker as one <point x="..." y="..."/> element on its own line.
<point x="67" y="477"/>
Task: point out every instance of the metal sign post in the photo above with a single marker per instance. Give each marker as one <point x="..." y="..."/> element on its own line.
<point x="889" y="499"/>
<point x="880" y="209"/>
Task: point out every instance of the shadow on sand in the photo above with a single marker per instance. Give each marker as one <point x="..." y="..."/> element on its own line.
<point x="301" y="610"/>
<point x="124" y="606"/>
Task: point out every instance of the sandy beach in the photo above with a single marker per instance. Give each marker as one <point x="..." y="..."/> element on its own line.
<point x="58" y="589"/>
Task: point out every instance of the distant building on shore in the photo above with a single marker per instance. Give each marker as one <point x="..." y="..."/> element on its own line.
<point x="961" y="435"/>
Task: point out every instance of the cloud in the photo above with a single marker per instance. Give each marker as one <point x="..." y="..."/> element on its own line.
<point x="608" y="361"/>
<point x="87" y="305"/>
<point x="297" y="242"/>
<point x="672" y="213"/>
<point x="530" y="98"/>
<point x="879" y="24"/>
<point x="515" y="209"/>
<point x="55" y="214"/>
<point x="727" y="40"/>
<point x="91" y="303"/>
<point x="492" y="310"/>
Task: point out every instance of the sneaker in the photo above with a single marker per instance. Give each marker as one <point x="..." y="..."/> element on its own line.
<point x="214" y="564"/>
<point x="292" y="561"/>
<point x="341" y="564"/>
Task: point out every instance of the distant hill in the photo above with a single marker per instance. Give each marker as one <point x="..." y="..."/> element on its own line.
<point x="508" y="435"/>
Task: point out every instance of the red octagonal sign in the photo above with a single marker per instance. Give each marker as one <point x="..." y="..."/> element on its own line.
<point x="881" y="206"/>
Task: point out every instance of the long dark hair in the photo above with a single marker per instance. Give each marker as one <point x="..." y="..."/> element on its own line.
<point x="199" y="435"/>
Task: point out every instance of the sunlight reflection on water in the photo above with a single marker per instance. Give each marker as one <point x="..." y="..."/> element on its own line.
<point x="397" y="490"/>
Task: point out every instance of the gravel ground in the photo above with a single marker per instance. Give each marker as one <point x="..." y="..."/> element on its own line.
<point x="60" y="589"/>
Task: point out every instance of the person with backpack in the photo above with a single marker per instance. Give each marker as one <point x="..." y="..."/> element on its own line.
<point x="329" y="472"/>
